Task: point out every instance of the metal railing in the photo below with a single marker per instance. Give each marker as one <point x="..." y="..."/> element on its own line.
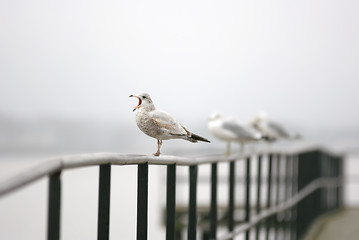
<point x="300" y="185"/>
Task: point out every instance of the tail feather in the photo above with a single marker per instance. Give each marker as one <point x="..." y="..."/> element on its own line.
<point x="268" y="138"/>
<point x="196" y="138"/>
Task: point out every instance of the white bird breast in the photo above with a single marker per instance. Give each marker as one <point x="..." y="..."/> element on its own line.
<point x="219" y="132"/>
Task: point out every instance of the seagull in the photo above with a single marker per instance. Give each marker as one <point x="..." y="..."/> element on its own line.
<point x="230" y="130"/>
<point x="271" y="130"/>
<point x="159" y="124"/>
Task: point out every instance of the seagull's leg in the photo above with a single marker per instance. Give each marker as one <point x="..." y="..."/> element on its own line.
<point x="228" y="151"/>
<point x="159" y="144"/>
<point x="253" y="147"/>
<point x="241" y="148"/>
<point x="269" y="147"/>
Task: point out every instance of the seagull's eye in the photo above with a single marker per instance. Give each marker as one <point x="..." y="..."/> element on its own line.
<point x="144" y="97"/>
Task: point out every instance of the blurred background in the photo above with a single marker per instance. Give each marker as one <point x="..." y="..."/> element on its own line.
<point x="67" y="69"/>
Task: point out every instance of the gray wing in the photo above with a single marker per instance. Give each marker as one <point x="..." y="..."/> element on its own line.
<point x="167" y="122"/>
<point x="279" y="130"/>
<point x="240" y="131"/>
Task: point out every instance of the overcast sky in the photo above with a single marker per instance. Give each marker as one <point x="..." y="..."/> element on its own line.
<point x="296" y="60"/>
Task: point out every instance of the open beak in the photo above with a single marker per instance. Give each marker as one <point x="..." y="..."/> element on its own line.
<point x="139" y="102"/>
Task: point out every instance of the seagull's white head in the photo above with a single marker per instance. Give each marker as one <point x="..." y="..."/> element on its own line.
<point x="215" y="116"/>
<point x="263" y="116"/>
<point x="144" y="101"/>
<point x="258" y="120"/>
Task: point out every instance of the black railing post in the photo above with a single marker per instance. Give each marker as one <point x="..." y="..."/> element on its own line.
<point x="294" y="190"/>
<point x="308" y="209"/>
<point x="171" y="202"/>
<point x="103" y="224"/>
<point x="213" y="213"/>
<point x="324" y="191"/>
<point x="269" y="194"/>
<point x="54" y="206"/>
<point x="259" y="184"/>
<point x="192" y="211"/>
<point x="337" y="176"/>
<point x="288" y="184"/>
<point x="317" y="174"/>
<point x="335" y="188"/>
<point x="341" y="179"/>
<point x="332" y="188"/>
<point x="303" y="179"/>
<point x="328" y="189"/>
<point x="231" y="196"/>
<point x="277" y="193"/>
<point x="142" y="201"/>
<point x="248" y="194"/>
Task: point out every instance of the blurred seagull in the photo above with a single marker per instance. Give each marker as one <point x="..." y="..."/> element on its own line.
<point x="270" y="129"/>
<point x="229" y="130"/>
<point x="159" y="124"/>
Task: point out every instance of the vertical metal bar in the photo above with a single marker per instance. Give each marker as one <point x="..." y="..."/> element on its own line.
<point x="341" y="179"/>
<point x="54" y="207"/>
<point x="303" y="176"/>
<point x="231" y="196"/>
<point x="179" y="234"/>
<point x="269" y="194"/>
<point x="322" y="175"/>
<point x="142" y="201"/>
<point x="334" y="188"/>
<point x="171" y="202"/>
<point x="317" y="175"/>
<point x="248" y="194"/>
<point x="305" y="173"/>
<point x="337" y="189"/>
<point x="259" y="183"/>
<point x="308" y="208"/>
<point x="192" y="211"/>
<point x="213" y="214"/>
<point x="205" y="235"/>
<point x="287" y="187"/>
<point x="324" y="191"/>
<point x="103" y="224"/>
<point x="277" y="195"/>
<point x="294" y="190"/>
<point x="328" y="189"/>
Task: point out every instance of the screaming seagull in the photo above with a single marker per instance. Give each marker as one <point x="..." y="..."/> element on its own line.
<point x="159" y="124"/>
